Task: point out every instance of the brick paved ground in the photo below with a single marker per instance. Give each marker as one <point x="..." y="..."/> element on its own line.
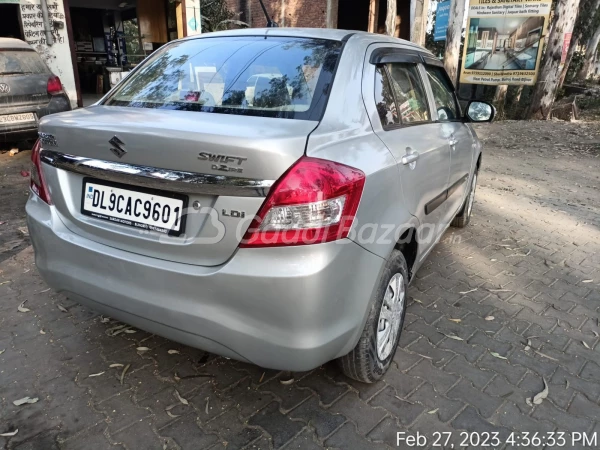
<point x="526" y="260"/>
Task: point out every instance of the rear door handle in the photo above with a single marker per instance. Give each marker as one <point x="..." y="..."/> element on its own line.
<point x="410" y="158"/>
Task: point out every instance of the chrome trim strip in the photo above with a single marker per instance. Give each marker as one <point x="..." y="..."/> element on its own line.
<point x="151" y="177"/>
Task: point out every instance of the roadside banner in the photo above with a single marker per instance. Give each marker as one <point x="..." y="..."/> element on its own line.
<point x="565" y="48"/>
<point x="442" y="16"/>
<point x="504" y="41"/>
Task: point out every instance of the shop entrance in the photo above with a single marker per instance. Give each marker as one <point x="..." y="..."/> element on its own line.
<point x="369" y="15"/>
<point x="10" y="21"/>
<point x="113" y="36"/>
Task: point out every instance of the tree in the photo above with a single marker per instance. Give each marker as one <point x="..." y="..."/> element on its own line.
<point x="584" y="27"/>
<point x="545" y="89"/>
<point x="453" y="38"/>
<point x="590" y="55"/>
<point x="216" y="16"/>
<point x="390" y="18"/>
<point x="500" y="99"/>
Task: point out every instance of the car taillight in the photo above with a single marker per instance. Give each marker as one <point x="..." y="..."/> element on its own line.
<point x="54" y="85"/>
<point x="314" y="201"/>
<point x="37" y="182"/>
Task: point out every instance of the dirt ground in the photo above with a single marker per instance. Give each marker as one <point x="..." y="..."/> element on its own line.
<point x="14" y="190"/>
<point x="500" y="310"/>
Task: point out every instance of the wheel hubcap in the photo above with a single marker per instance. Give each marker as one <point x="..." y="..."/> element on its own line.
<point x="472" y="195"/>
<point x="390" y="315"/>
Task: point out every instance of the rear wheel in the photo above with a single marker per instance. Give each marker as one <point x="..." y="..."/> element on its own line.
<point x="371" y="357"/>
<point x="463" y="217"/>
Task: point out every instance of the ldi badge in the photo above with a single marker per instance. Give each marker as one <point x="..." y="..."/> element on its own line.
<point x="223" y="161"/>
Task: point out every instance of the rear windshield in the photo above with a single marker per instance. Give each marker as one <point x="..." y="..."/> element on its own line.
<point x="16" y="62"/>
<point x="250" y="75"/>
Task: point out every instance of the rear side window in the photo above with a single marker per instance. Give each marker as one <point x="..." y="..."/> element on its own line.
<point x="443" y="94"/>
<point x="272" y="77"/>
<point x="17" y="62"/>
<point x="384" y="99"/>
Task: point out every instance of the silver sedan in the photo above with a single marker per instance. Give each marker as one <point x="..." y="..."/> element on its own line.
<point x="263" y="194"/>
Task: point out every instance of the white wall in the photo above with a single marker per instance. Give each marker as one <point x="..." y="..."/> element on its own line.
<point x="57" y="56"/>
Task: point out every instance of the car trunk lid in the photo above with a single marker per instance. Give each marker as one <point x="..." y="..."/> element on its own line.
<point x="230" y="149"/>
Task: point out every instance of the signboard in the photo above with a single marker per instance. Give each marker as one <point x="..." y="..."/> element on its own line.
<point x="565" y="48"/>
<point x="442" y="16"/>
<point x="192" y="12"/>
<point x="504" y="41"/>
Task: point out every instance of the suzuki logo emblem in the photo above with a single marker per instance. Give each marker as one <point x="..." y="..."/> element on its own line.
<point x="4" y="88"/>
<point x="117" y="146"/>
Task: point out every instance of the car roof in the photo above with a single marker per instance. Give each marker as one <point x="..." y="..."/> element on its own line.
<point x="14" y="43"/>
<point x="317" y="33"/>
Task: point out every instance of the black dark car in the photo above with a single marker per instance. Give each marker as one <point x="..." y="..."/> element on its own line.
<point x="28" y="91"/>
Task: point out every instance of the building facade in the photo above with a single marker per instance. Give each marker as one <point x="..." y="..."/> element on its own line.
<point x="363" y="15"/>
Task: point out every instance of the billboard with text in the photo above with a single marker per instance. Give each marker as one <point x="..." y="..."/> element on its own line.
<point x="504" y="41"/>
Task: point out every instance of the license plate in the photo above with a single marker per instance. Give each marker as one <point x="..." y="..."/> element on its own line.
<point x="17" y="118"/>
<point x="145" y="209"/>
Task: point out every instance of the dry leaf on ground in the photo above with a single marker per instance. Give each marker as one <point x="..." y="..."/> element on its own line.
<point x="453" y="336"/>
<point x="9" y="433"/>
<point x="21" y="308"/>
<point x="497" y="355"/>
<point x="180" y="398"/>
<point x="539" y="398"/>
<point x="25" y="400"/>
<point x="95" y="374"/>
<point x="467" y="292"/>
<point x="124" y="372"/>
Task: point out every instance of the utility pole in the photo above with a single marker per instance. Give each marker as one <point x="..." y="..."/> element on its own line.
<point x="545" y="89"/>
<point x="453" y="38"/>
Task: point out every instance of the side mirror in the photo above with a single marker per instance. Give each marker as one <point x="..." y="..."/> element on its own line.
<point x="480" y="112"/>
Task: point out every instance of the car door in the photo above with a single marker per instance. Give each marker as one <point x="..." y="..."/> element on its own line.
<point x="407" y="129"/>
<point x="455" y="132"/>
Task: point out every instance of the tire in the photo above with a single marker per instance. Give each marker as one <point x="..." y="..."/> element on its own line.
<point x="367" y="362"/>
<point x="463" y="217"/>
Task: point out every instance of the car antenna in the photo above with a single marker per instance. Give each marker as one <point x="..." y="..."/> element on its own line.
<point x="270" y="22"/>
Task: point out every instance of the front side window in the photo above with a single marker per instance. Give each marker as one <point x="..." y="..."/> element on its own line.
<point x="247" y="75"/>
<point x="443" y="94"/>
<point x="409" y="92"/>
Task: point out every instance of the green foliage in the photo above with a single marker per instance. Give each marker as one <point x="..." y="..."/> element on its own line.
<point x="133" y="45"/>
<point x="575" y="66"/>
<point x="216" y="16"/>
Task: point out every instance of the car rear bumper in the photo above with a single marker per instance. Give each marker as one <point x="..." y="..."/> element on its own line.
<point x="291" y="308"/>
<point x="29" y="131"/>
